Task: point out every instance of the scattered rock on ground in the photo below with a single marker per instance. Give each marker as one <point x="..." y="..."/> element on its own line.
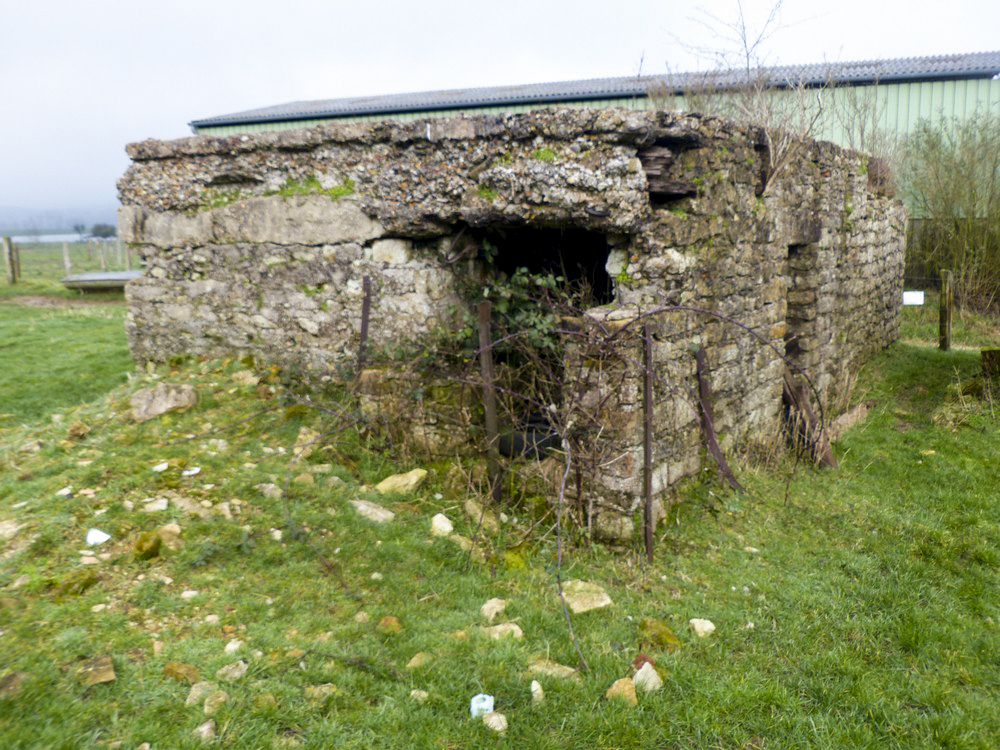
<point x="232" y="672"/>
<point x="402" y="483"/>
<point x="441" y="526"/>
<point x="702" y="628"/>
<point x="373" y="511"/>
<point x="150" y="403"/>
<point x="492" y="608"/>
<point x="495" y="721"/>
<point x="389" y="625"/>
<point x="9" y="529"/>
<point x="623" y="690"/>
<point x="176" y="670"/>
<point x="78" y="431"/>
<point x="420" y="696"/>
<point x="537" y="694"/>
<point x="320" y="693"/>
<point x="97" y="671"/>
<point x="647" y="678"/>
<point x="420" y="659"/>
<point x="504" y="630"/>
<point x="583" y="596"/>
<point x="466" y="545"/>
<point x="215" y="701"/>
<point x="10" y="685"/>
<point x="198" y="692"/>
<point x="154" y="504"/>
<point x="476" y="512"/>
<point x="205" y="732"/>
<point x="245" y="377"/>
<point x="547" y="668"/>
<point x="306" y="442"/>
<point x="33" y="446"/>
<point x="272" y="491"/>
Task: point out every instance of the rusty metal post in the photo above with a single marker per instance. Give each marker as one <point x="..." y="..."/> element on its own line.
<point x="366" y="308"/>
<point x="489" y="398"/>
<point x="647" y="441"/>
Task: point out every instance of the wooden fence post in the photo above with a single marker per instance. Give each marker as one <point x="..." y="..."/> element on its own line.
<point x="17" y="261"/>
<point x="946" y="303"/>
<point x="101" y="256"/>
<point x="8" y="258"/>
<point x="67" y="263"/>
<point x="128" y="258"/>
<point x="118" y="251"/>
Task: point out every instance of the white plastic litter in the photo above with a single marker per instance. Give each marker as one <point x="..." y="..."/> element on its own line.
<point x="480" y="705"/>
<point x="96" y="536"/>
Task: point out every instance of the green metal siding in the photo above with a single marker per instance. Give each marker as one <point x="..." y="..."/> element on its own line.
<point x="900" y="107"/>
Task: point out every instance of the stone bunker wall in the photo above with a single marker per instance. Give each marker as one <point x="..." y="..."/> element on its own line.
<point x="259" y="244"/>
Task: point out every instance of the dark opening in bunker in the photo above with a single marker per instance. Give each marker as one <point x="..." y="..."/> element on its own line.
<point x="578" y="256"/>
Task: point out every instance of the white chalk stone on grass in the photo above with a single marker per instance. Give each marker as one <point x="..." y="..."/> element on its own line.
<point x="546" y="668"/>
<point x="537" y="694"/>
<point x="441" y="526"/>
<point x="420" y="696"/>
<point x="647" y="679"/>
<point x="154" y="504"/>
<point x="702" y="628"/>
<point x="492" y="608"/>
<point x="402" y="483"/>
<point x="583" y="596"/>
<point x="495" y="721"/>
<point x="205" y="732"/>
<point x="373" y="511"/>
<point x="96" y="536"/>
<point x="506" y="630"/>
<point x="232" y="672"/>
<point x="199" y="691"/>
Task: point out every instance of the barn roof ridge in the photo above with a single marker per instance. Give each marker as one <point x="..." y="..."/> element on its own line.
<point x="909" y="69"/>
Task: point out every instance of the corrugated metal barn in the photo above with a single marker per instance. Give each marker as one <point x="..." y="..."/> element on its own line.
<point x="900" y="93"/>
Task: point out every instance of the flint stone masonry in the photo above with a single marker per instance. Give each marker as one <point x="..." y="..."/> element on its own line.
<point x="260" y="243"/>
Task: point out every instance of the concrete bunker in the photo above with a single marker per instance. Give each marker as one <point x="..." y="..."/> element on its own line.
<point x="664" y="220"/>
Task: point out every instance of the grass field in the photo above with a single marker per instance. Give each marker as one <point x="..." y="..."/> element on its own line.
<point x="44" y="262"/>
<point x="856" y="608"/>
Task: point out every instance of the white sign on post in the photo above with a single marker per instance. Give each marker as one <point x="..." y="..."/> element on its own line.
<point x="913" y="298"/>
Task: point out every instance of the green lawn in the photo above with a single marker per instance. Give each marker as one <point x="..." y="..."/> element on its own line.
<point x="872" y="590"/>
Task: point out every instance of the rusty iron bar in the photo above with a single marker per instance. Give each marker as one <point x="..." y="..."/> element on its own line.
<point x="708" y="421"/>
<point x="366" y="309"/>
<point x="647" y="441"/>
<point x="489" y="398"/>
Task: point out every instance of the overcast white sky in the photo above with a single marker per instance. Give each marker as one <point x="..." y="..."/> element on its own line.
<point x="81" y="78"/>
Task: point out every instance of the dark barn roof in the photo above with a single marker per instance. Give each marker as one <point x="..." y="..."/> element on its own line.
<point x="908" y="70"/>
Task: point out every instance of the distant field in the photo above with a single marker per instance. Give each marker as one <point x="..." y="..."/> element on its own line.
<point x="45" y="260"/>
